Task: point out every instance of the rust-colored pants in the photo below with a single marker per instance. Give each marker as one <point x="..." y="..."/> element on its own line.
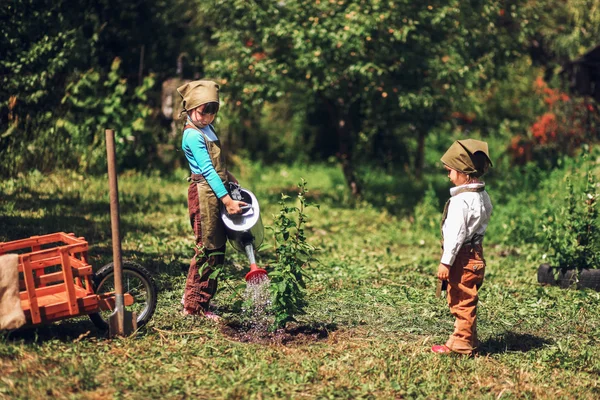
<point x="466" y="277"/>
<point x="199" y="288"/>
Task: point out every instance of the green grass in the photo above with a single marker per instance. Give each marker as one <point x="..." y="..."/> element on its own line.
<point x="371" y="318"/>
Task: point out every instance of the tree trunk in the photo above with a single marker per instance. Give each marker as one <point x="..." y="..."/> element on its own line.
<point x="342" y="126"/>
<point x="420" y="156"/>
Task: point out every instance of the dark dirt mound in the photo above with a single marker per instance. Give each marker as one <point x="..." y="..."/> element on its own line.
<point x="292" y="334"/>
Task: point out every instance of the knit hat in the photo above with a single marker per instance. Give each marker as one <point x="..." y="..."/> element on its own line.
<point x="196" y="93"/>
<point x="468" y="156"/>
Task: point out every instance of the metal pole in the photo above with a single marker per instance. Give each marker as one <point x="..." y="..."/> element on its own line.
<point x="116" y="238"/>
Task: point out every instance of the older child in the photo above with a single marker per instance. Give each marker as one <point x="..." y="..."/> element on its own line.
<point x="465" y="219"/>
<point x="206" y="193"/>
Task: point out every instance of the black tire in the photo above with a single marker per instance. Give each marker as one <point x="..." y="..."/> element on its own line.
<point x="567" y="278"/>
<point x="545" y="275"/>
<point x="137" y="281"/>
<point x="590" y="279"/>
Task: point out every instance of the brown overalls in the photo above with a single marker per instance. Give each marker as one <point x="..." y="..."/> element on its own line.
<point x="465" y="279"/>
<point x="209" y="231"/>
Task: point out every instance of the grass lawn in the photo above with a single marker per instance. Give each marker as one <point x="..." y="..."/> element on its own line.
<point x="371" y="319"/>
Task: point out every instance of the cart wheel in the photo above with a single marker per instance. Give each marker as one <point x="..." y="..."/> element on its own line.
<point x="137" y="281"/>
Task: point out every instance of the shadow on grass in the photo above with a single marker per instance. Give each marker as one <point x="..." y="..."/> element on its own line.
<point x="64" y="212"/>
<point x="394" y="196"/>
<point x="71" y="330"/>
<point x="65" y="331"/>
<point x="512" y="342"/>
<point x="15" y="228"/>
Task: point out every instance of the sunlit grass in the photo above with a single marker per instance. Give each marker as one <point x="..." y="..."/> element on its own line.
<point x="372" y="292"/>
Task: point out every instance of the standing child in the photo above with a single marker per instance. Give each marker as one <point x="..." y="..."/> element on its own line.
<point x="465" y="219"/>
<point x="206" y="193"/>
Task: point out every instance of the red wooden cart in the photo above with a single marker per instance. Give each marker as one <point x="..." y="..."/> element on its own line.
<point x="57" y="282"/>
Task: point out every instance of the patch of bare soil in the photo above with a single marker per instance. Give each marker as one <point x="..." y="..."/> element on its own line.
<point x="292" y="334"/>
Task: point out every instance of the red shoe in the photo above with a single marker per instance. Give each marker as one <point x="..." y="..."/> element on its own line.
<point x="212" y="316"/>
<point x="188" y="311"/>
<point x="441" y="349"/>
<point x="200" y="313"/>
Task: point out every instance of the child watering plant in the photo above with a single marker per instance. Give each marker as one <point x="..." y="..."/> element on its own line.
<point x="464" y="222"/>
<point x="206" y="193"/>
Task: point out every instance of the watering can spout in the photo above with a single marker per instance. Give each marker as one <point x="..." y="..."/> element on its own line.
<point x="255" y="274"/>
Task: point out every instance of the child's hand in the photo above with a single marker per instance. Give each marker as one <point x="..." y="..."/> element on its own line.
<point x="233" y="207"/>
<point x="443" y="272"/>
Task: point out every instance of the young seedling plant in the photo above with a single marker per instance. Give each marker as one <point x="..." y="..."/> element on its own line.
<point x="293" y="255"/>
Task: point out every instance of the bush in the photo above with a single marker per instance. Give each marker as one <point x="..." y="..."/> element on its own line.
<point x="571" y="236"/>
<point x="565" y="124"/>
<point x="97" y="102"/>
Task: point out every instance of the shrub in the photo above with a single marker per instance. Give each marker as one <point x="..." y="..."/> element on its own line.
<point x="566" y="123"/>
<point x="572" y="237"/>
<point x="97" y="102"/>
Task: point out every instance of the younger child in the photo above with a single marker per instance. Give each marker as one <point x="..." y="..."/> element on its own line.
<point x="465" y="219"/>
<point x="206" y="193"/>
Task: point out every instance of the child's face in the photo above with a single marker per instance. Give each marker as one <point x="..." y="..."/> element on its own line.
<point x="456" y="177"/>
<point x="201" y="118"/>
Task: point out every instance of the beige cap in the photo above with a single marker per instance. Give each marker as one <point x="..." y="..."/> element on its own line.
<point x="196" y="93"/>
<point x="468" y="156"/>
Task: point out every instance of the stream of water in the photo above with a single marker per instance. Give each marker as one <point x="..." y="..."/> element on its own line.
<point x="257" y="302"/>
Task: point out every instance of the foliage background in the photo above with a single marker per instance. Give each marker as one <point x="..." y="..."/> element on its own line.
<point x="364" y="83"/>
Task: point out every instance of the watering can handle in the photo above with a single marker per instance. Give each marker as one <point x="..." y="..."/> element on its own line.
<point x="244" y="209"/>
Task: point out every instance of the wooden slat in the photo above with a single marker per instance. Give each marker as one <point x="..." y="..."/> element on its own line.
<point x="77" y="263"/>
<point x="50" y="257"/>
<point x="51" y="261"/>
<point x="81" y="270"/>
<point x="48" y="279"/>
<point x="69" y="284"/>
<point x="89" y="287"/>
<point x="60" y="310"/>
<point x="58" y="276"/>
<point x="29" y="242"/>
<point x="54" y="277"/>
<point x="46" y="294"/>
<point x="70" y="238"/>
<point x="33" y="243"/>
<point x="86" y="305"/>
<point x="49" y="290"/>
<point x="71" y="248"/>
<point x="106" y="301"/>
<point x="32" y="297"/>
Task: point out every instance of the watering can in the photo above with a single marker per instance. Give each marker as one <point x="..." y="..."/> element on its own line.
<point x="245" y="231"/>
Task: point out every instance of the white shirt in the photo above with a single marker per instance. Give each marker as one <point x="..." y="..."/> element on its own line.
<point x="468" y="215"/>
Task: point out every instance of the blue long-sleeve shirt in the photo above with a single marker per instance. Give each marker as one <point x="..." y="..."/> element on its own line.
<point x="196" y="152"/>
